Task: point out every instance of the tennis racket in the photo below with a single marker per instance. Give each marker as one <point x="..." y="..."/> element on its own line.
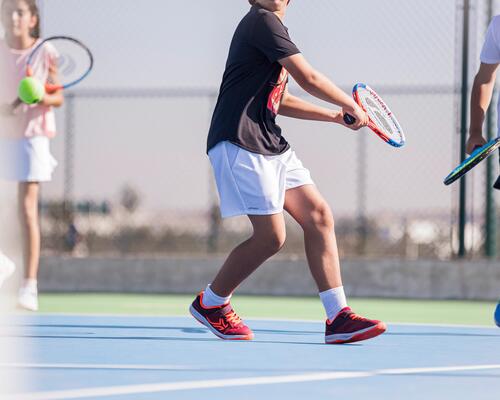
<point x="382" y="120"/>
<point x="74" y="62"/>
<point x="475" y="158"/>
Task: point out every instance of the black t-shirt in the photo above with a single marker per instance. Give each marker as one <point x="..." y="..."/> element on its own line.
<point x="253" y="85"/>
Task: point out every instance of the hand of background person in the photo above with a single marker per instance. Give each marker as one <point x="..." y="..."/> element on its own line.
<point x="474" y="141"/>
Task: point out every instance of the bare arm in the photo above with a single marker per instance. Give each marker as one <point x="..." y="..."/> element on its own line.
<point x="318" y="85"/>
<point x="482" y="91"/>
<point x="294" y="107"/>
<point x="55" y="99"/>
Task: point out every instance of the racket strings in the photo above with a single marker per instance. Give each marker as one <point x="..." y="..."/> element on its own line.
<point x="384" y="122"/>
<point x="380" y="115"/>
<point x="73" y="60"/>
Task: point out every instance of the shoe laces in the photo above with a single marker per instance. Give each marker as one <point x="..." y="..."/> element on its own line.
<point x="357" y="317"/>
<point x="233" y="318"/>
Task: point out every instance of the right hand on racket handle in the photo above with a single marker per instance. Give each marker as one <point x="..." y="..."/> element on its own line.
<point x="474" y="142"/>
<point x="355" y="118"/>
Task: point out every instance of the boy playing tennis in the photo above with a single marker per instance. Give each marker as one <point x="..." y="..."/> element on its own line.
<point x="482" y="92"/>
<point x="258" y="175"/>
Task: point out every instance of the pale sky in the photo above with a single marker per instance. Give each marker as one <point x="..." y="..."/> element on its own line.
<point x="158" y="145"/>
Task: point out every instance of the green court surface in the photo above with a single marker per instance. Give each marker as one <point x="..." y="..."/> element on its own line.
<point x="306" y="308"/>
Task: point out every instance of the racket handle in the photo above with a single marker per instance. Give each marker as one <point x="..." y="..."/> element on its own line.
<point x="16" y="103"/>
<point x="496" y="185"/>
<point x="51" y="88"/>
<point x="349" y="119"/>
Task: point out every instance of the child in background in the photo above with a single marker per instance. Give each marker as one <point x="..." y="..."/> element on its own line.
<point x="26" y="132"/>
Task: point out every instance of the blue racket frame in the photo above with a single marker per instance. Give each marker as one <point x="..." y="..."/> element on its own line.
<point x="69" y="84"/>
<point x="474" y="159"/>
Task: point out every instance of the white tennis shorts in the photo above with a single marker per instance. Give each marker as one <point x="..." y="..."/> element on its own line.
<point x="27" y="159"/>
<point x="254" y="184"/>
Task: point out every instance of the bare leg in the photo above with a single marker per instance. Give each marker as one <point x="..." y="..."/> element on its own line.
<point x="28" y="210"/>
<point x="306" y="205"/>
<point x="267" y="239"/>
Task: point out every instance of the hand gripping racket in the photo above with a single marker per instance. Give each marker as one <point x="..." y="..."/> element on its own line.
<point x="475" y="158"/>
<point x="382" y="120"/>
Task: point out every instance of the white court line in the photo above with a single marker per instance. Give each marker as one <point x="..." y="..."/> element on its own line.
<point x="96" y="366"/>
<point x="221" y="383"/>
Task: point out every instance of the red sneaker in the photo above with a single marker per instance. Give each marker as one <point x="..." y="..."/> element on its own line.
<point x="221" y="320"/>
<point x="349" y="327"/>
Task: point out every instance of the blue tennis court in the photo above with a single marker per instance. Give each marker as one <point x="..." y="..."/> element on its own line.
<point x="90" y="357"/>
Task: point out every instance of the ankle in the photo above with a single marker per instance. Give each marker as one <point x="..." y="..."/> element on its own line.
<point x="212" y="299"/>
<point x="334" y="301"/>
<point x="30" y="284"/>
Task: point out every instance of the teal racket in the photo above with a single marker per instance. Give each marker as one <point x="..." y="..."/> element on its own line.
<point x="475" y="158"/>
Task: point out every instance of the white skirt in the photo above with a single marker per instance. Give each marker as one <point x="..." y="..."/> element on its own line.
<point x="27" y="159"/>
<point x="254" y="184"/>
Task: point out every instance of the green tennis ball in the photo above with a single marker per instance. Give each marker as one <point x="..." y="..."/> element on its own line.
<point x="30" y="90"/>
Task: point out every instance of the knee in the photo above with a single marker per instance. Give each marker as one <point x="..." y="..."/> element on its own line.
<point x="271" y="242"/>
<point x="319" y="219"/>
<point x="277" y="241"/>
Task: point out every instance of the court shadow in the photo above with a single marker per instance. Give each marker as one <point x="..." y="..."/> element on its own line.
<point x="177" y="328"/>
<point x="128" y="327"/>
<point x="91" y="336"/>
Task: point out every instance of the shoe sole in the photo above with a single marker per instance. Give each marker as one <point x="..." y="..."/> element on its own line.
<point x="26" y="308"/>
<point x="7" y="271"/>
<point x="358" y="336"/>
<point x="198" y="317"/>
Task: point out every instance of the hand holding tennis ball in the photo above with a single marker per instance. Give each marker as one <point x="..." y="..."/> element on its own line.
<point x="31" y="90"/>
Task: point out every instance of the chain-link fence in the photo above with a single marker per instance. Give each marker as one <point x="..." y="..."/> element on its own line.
<point x="132" y="144"/>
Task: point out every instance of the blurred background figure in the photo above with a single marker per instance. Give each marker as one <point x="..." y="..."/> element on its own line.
<point x="29" y="129"/>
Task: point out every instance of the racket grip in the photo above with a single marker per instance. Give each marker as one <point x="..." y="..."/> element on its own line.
<point x="496" y="185"/>
<point x="349" y="119"/>
<point x="51" y="88"/>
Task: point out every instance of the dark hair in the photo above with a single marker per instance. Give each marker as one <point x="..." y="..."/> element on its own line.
<point x="252" y="2"/>
<point x="33" y="7"/>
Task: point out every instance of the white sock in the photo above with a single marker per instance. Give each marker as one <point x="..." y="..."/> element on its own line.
<point x="210" y="299"/>
<point x="31" y="285"/>
<point x="333" y="300"/>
